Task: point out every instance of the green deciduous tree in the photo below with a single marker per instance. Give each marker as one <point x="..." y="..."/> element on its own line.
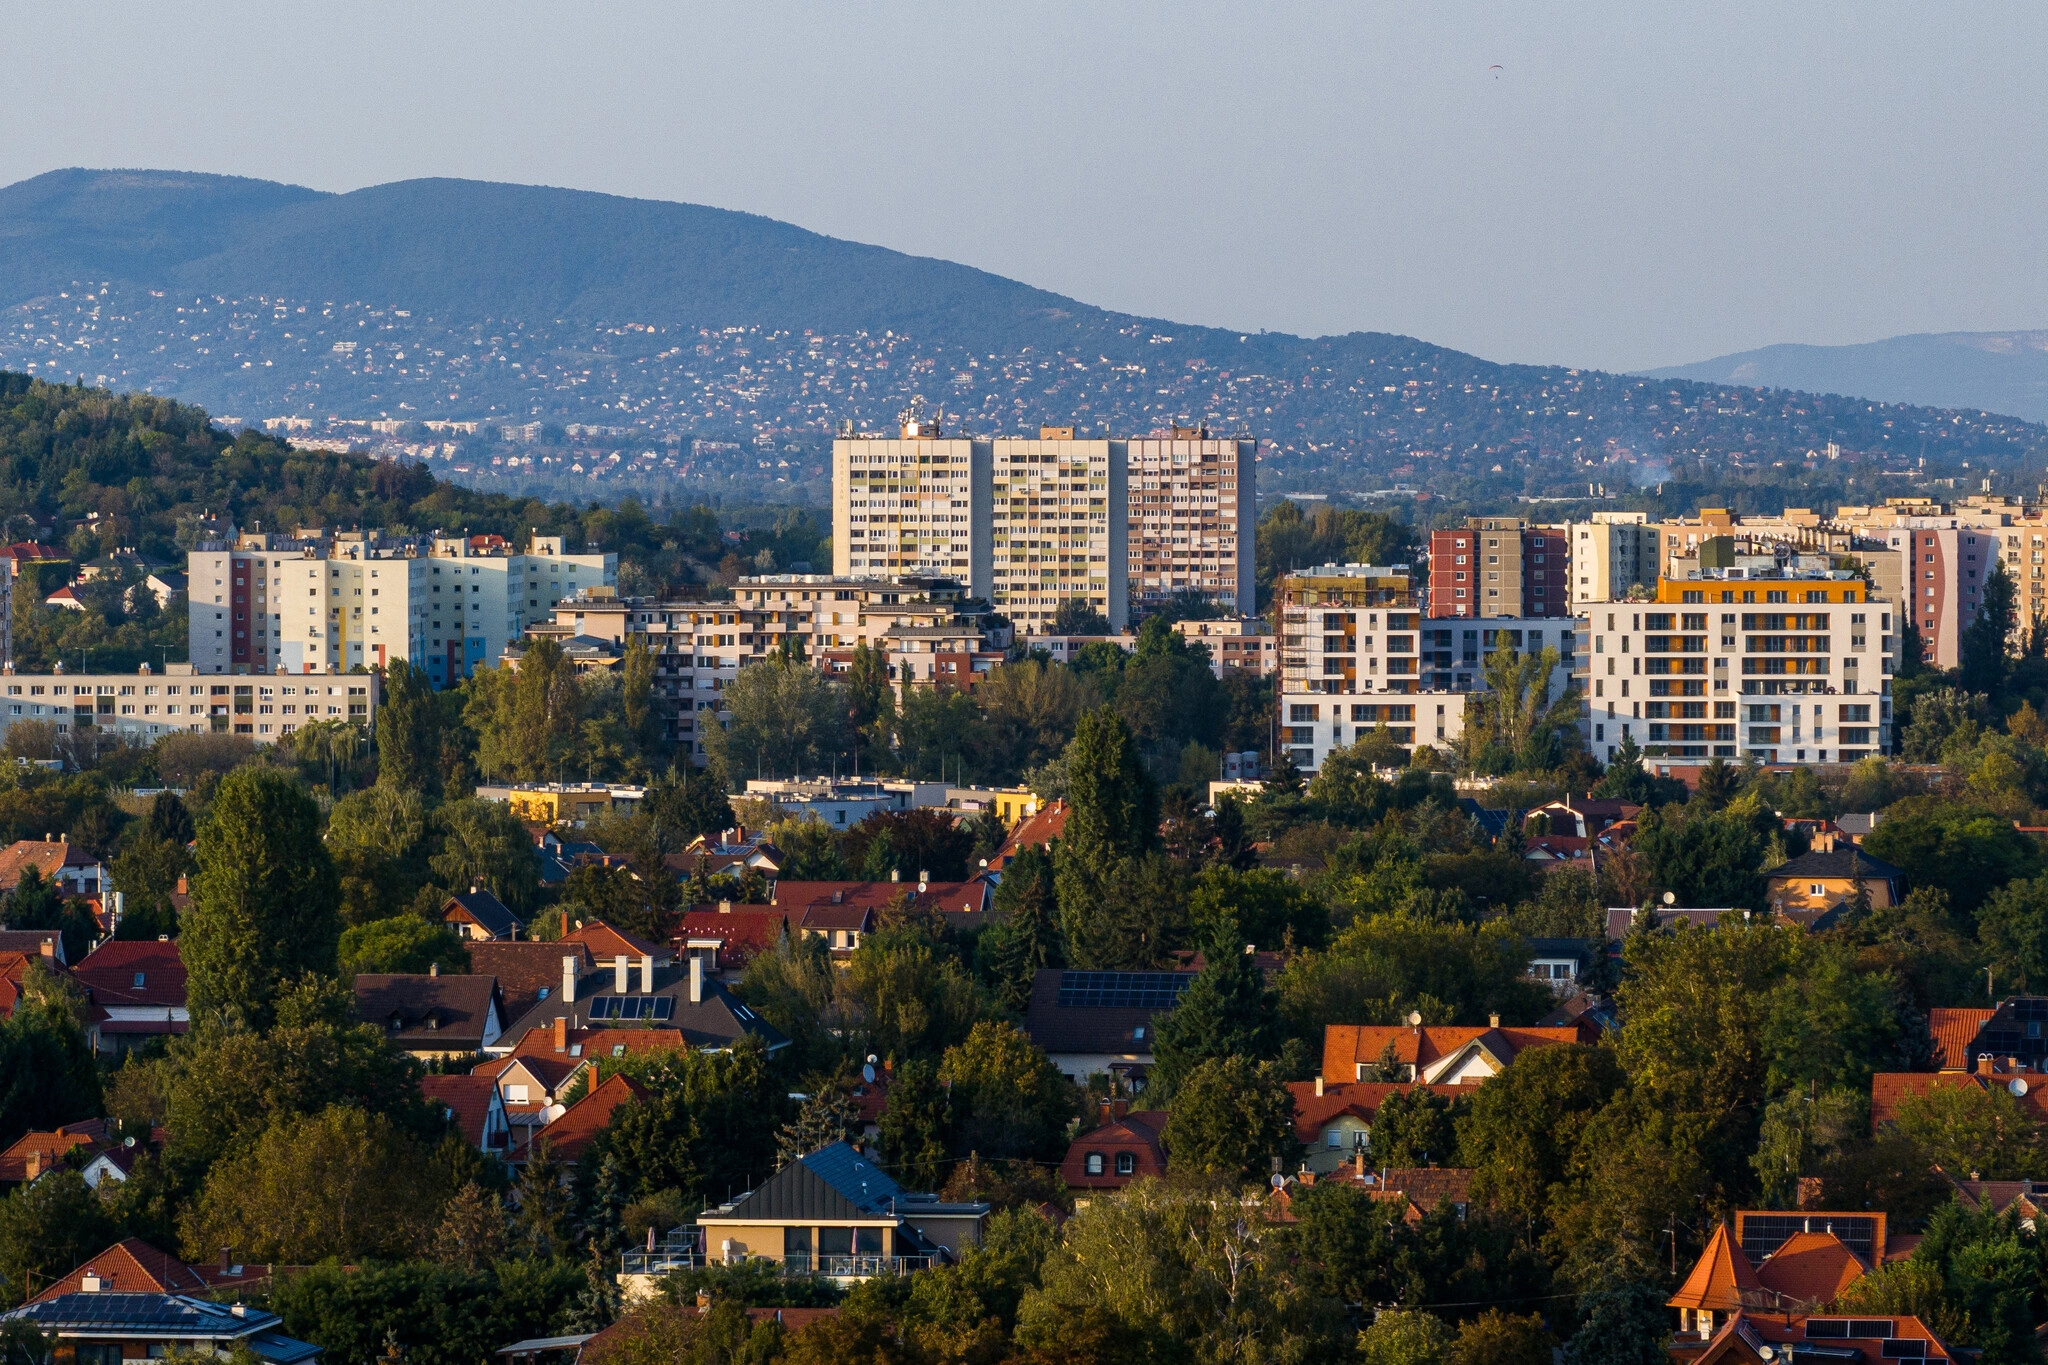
<point x="409" y="731"/>
<point x="402" y="943"/>
<point x="1522" y="1131"/>
<point x="47" y="1228"/>
<point x="483" y="844"/>
<point x="1009" y="1099"/>
<point x="917" y="1127"/>
<point x="785" y="719"/>
<point x="378" y="840"/>
<point x="265" y="904"/>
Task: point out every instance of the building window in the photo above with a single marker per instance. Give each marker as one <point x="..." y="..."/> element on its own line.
<point x="1095" y="1163"/>
<point x="1126" y="1164"/>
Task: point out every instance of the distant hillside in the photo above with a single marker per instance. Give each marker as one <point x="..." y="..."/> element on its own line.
<point x="689" y="344"/>
<point x="1980" y="371"/>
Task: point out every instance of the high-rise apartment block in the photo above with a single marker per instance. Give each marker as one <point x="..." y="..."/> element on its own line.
<point x="318" y="603"/>
<point x="1192" y="505"/>
<point x="1611" y="554"/>
<point x="914" y="503"/>
<point x="1499" y="566"/>
<point x="1062" y="525"/>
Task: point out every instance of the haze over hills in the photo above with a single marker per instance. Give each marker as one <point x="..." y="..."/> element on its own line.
<point x="703" y="342"/>
<point x="1984" y="371"/>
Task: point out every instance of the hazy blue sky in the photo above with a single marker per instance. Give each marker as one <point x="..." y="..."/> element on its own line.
<point x="1641" y="184"/>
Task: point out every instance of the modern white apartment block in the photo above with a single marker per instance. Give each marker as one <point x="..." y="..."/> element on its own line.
<point x="1356" y="652"/>
<point x="144" y="706"/>
<point x="1776" y="661"/>
<point x="269" y="603"/>
<point x="913" y="503"/>
<point x="1192" y="503"/>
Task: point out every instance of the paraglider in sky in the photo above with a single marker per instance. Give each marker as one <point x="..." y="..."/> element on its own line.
<point x="1496" y="67"/>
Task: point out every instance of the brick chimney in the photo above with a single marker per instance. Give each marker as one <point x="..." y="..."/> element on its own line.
<point x="1984" y="1067"/>
<point x="561" y="1033"/>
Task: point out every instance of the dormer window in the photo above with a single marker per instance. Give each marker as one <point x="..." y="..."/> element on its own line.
<point x="138" y="981"/>
<point x="1095" y="1163"/>
<point x="1126" y="1164"/>
<point x="397" y="1021"/>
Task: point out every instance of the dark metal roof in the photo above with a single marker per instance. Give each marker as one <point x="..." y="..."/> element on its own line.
<point x="492" y="915"/>
<point x="1837" y="864"/>
<point x="445" y="1012"/>
<point x="832" y="1184"/>
<point x="161" y="1314"/>
<point x="1073" y="1011"/>
<point x="718" y="1020"/>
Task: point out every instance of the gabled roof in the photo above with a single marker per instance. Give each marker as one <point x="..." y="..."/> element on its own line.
<point x="484" y="910"/>
<point x="606" y="943"/>
<point x="444" y="1013"/>
<point x="134" y="1266"/>
<point x="1888" y="1088"/>
<point x="161" y="1315"/>
<point x="1048" y="824"/>
<point x="579" y="1045"/>
<point x="47" y="1150"/>
<point x="1719" y="1279"/>
<point x="857" y="918"/>
<point x="951" y="899"/>
<point x="571" y="1135"/>
<point x="1362" y="1099"/>
<point x="133" y="972"/>
<point x="1427" y="1047"/>
<point x="832" y="1184"/>
<point x="468" y="1100"/>
<point x="1954" y="1031"/>
<point x="46" y="856"/>
<point x="30" y="942"/>
<point x="526" y="972"/>
<point x="1746" y="1335"/>
<point x="1428" y="1186"/>
<point x="1102" y="1012"/>
<point x="1811" y="1268"/>
<point x="740" y="937"/>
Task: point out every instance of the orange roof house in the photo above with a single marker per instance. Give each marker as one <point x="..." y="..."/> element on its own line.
<point x="571" y="1135"/>
<point x="58" y="860"/>
<point x="1721" y="1283"/>
<point x="1437" y="1054"/>
<point x="1116" y="1153"/>
<point x="606" y="944"/>
<point x="1746" y="1338"/>
<point x="1333" y="1120"/>
<point x="34" y="1153"/>
<point x="133" y="1266"/>
<point x="475" y="1108"/>
<point x="1810" y="1270"/>
<point x="1041" y="829"/>
<point x="1780" y="1261"/>
<point x="1953" y="1032"/>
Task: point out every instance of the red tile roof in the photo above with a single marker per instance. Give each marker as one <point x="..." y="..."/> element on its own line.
<point x="572" y="1134"/>
<point x="467" y="1099"/>
<point x="45" y="855"/>
<point x="1313" y="1112"/>
<point x="1811" y="1269"/>
<point x="45" y="1151"/>
<point x="581" y="1043"/>
<point x="1425" y="1187"/>
<point x="606" y="943"/>
<point x="1041" y="829"/>
<point x="742" y="935"/>
<point x="110" y="972"/>
<point x="1136" y="1134"/>
<point x="1719" y="1279"/>
<point x="1954" y="1031"/>
<point x="1887" y="1088"/>
<point x="525" y="970"/>
<point x="1779" y="1331"/>
<point x="133" y="1266"/>
<point x="1348" y="1046"/>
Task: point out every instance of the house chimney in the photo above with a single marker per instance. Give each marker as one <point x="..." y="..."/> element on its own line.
<point x="49" y="947"/>
<point x="619" y="986"/>
<point x="1493" y="1021"/>
<point x="561" y="1033"/>
<point x="1984" y="1064"/>
<point x="725" y="907"/>
<point x="227" y="1259"/>
<point x="568" y="980"/>
<point x="33" y="1165"/>
<point x="696" y="980"/>
<point x="433" y="969"/>
<point x="647" y="973"/>
<point x="1319" y="1087"/>
<point x="894" y="875"/>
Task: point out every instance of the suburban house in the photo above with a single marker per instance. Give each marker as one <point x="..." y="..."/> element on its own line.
<point x="475" y="1107"/>
<point x="133" y="1266"/>
<point x="627" y="995"/>
<point x="2011" y="1035"/>
<point x="1559" y="963"/>
<point x="98" y="1326"/>
<point x="477" y="916"/>
<point x="532" y="1088"/>
<point x="1422" y="1190"/>
<point x="137" y="987"/>
<point x="1769" y="1339"/>
<point x="1045" y="825"/>
<point x="57" y="860"/>
<point x="1435" y="1054"/>
<point x="1813" y="884"/>
<point x="44" y="943"/>
<point x="527" y="972"/>
<point x="728" y="938"/>
<point x="570" y="1136"/>
<point x="118" y="1163"/>
<point x="1889" y="1089"/>
<point x="1101" y="1023"/>
<point x="432" y="1015"/>
<point x="576" y="1046"/>
<point x="1123" y="1148"/>
<point x="835" y="1213"/>
<point x="1622" y="918"/>
<point x="33" y="1154"/>
<point x="842" y="927"/>
<point x="605" y="944"/>
<point x="1581" y="817"/>
<point x="1333" y="1119"/>
<point x="1784" y="1263"/>
<point x="963" y="905"/>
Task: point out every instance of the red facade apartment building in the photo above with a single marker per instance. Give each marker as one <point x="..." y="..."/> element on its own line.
<point x="1499" y="566"/>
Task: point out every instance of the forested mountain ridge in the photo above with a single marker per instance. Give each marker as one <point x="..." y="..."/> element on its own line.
<point x="725" y="334"/>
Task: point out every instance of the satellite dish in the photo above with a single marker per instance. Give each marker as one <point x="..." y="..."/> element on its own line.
<point x="1414" y="1018"/>
<point x="2017" y="1085"/>
<point x="128" y="1142"/>
<point x="871" y="1059"/>
<point x="1279" y="1181"/>
<point x="867" y="1073"/>
<point x="1671" y="898"/>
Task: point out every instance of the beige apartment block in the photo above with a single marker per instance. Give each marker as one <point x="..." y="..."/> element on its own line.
<point x="913" y="503"/>
<point x="1192" y="504"/>
<point x="1061" y="521"/>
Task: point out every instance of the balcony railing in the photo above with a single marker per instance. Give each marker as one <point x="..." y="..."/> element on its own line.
<point x="661" y="1261"/>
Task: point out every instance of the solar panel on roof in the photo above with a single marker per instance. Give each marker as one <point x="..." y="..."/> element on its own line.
<point x="1122" y="990"/>
<point x="1764" y="1233"/>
